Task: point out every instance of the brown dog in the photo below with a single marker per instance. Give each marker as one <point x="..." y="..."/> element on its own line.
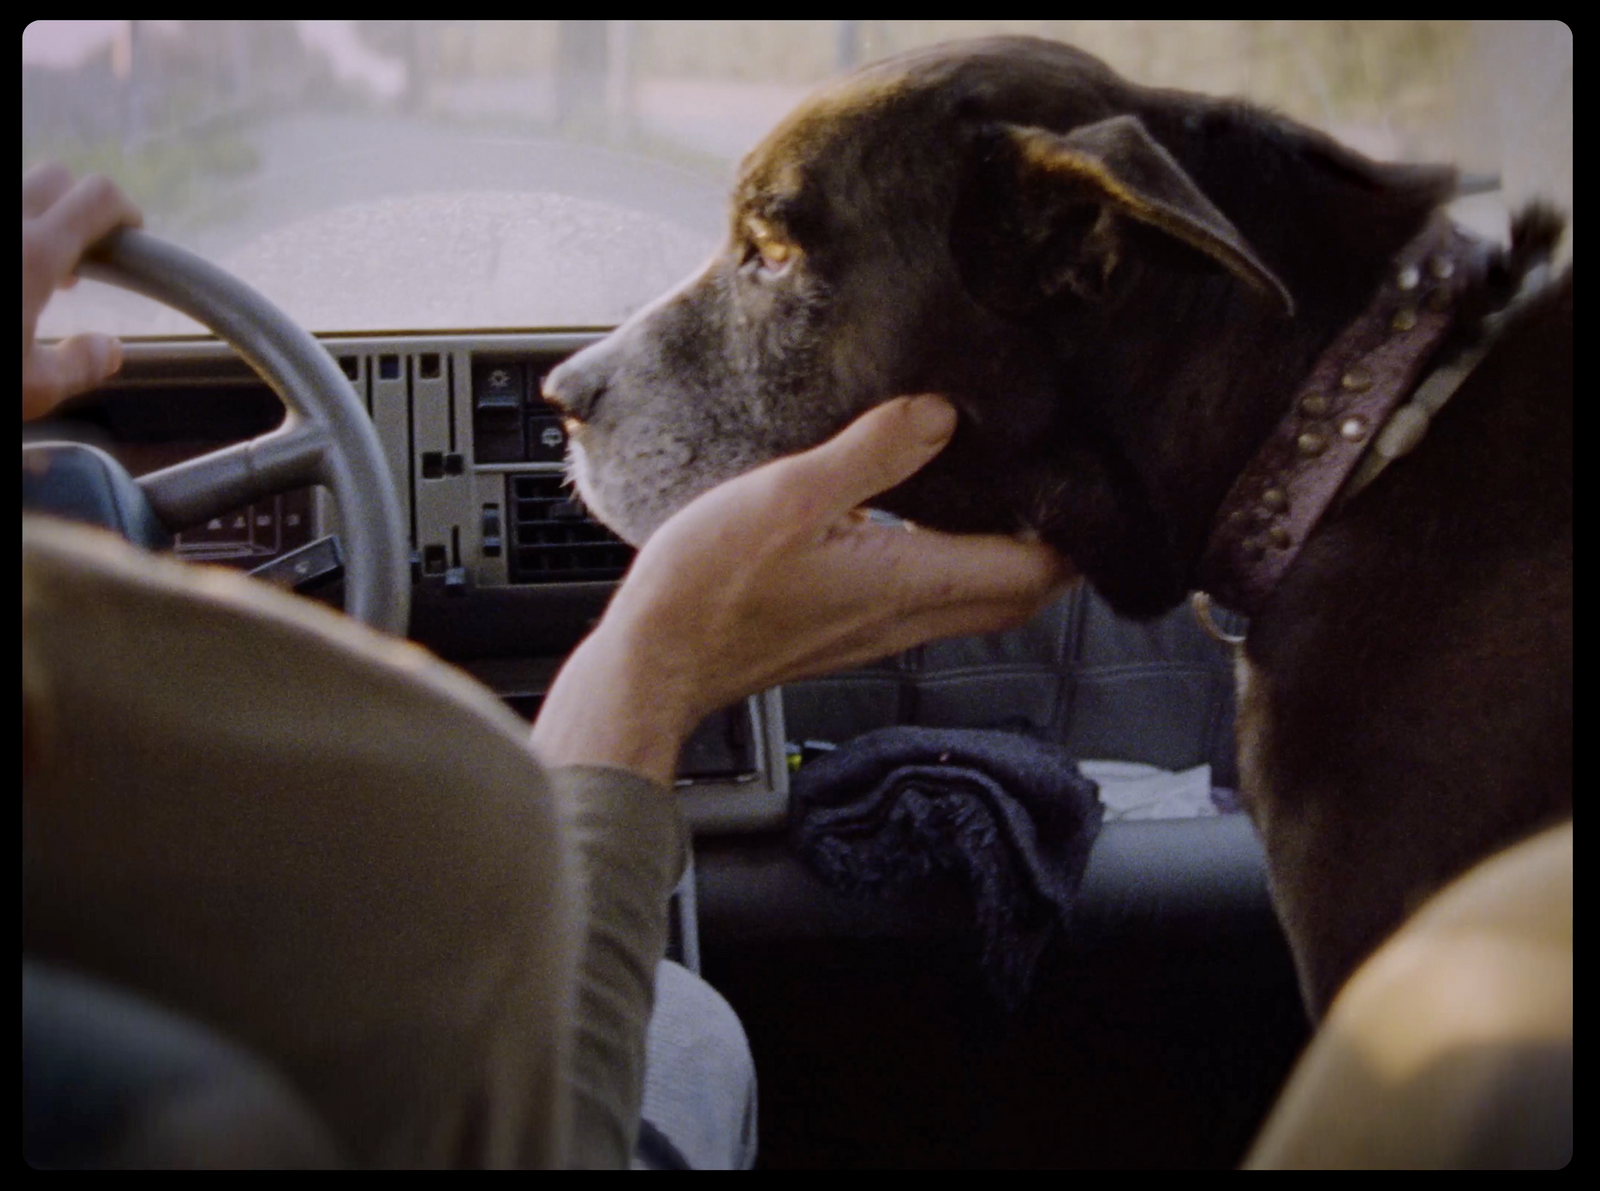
<point x="1148" y="306"/>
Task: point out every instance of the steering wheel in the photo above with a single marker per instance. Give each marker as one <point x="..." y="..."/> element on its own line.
<point x="327" y="437"/>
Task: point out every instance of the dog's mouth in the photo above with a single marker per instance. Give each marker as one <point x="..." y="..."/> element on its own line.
<point x="634" y="497"/>
<point x="580" y="477"/>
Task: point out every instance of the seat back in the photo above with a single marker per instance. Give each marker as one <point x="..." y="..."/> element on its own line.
<point x="111" y="1081"/>
<point x="312" y="837"/>
<point x="1104" y="686"/>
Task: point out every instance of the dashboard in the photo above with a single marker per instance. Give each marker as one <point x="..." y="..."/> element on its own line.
<point x="509" y="571"/>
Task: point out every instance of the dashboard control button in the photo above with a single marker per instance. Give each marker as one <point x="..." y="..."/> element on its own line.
<point x="497" y="386"/>
<point x="228" y="530"/>
<point x="498" y="391"/>
<point x="547" y="439"/>
<point x="264" y="522"/>
<point x="492" y="534"/>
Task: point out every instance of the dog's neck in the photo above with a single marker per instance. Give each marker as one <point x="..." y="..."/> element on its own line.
<point x="1183" y="373"/>
<point x="1185" y="408"/>
<point x="1348" y="409"/>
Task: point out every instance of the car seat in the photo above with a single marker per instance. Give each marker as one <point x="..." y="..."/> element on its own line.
<point x="329" y="854"/>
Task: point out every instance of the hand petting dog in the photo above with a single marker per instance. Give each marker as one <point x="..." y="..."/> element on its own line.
<point x="777" y="575"/>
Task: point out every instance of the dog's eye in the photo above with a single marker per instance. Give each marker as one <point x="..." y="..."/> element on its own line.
<point x="768" y="252"/>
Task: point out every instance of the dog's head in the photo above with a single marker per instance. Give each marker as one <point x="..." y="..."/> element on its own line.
<point x="1056" y="250"/>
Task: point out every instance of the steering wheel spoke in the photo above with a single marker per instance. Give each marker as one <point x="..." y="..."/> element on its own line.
<point x="292" y="456"/>
<point x="328" y="438"/>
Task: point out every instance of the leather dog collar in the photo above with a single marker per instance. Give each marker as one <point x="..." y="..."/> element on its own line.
<point x="1343" y="407"/>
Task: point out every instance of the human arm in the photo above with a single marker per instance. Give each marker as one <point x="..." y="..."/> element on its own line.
<point x="774" y="576"/>
<point x="61" y="218"/>
<point x="768" y="578"/>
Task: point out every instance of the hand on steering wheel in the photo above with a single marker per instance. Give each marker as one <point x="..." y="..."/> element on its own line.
<point x="326" y="439"/>
<point x="60" y="219"/>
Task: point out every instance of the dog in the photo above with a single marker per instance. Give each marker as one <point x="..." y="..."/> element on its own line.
<point x="1146" y="306"/>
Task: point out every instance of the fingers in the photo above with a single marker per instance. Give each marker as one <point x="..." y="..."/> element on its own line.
<point x="85" y="213"/>
<point x="42" y="186"/>
<point x="75" y="365"/>
<point x="882" y="447"/>
<point x="908" y="589"/>
<point x="973" y="619"/>
<point x="937" y="570"/>
<point x="926" y="622"/>
<point x="63" y="218"/>
<point x="60" y="220"/>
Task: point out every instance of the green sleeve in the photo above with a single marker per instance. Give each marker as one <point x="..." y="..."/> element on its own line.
<point x="628" y="846"/>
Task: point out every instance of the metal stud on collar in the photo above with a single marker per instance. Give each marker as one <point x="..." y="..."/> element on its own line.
<point x="1338" y="418"/>
<point x="1311" y="443"/>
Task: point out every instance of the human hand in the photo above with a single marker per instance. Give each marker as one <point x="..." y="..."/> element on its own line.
<point x="60" y="219"/>
<point x="774" y="576"/>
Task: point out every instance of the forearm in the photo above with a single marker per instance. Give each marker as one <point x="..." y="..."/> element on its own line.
<point x="629" y="846"/>
<point x="613" y="707"/>
<point x="762" y="580"/>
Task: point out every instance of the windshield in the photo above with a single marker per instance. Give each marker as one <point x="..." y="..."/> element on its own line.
<point x="443" y="175"/>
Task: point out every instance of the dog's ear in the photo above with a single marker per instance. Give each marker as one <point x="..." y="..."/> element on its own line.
<point x="1040" y="213"/>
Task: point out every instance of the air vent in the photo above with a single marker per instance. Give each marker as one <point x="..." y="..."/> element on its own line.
<point x="553" y="539"/>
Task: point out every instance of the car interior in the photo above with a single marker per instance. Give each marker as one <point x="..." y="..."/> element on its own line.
<point x="875" y="1038"/>
<point x="1163" y="1018"/>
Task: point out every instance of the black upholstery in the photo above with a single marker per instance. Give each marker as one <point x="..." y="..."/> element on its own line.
<point x="110" y="1080"/>
<point x="1159" y="1027"/>
<point x="1103" y="686"/>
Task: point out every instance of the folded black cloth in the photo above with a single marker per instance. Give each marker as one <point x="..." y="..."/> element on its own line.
<point x="1010" y="815"/>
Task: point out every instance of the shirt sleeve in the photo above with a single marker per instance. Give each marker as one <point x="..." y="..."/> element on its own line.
<point x="628" y="846"/>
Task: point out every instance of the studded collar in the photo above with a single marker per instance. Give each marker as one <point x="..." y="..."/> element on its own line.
<point x="1349" y="402"/>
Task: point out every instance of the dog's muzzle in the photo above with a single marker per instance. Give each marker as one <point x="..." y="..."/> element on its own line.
<point x="575" y="387"/>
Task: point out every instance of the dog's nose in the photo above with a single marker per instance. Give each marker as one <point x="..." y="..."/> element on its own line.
<point x="574" y="387"/>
